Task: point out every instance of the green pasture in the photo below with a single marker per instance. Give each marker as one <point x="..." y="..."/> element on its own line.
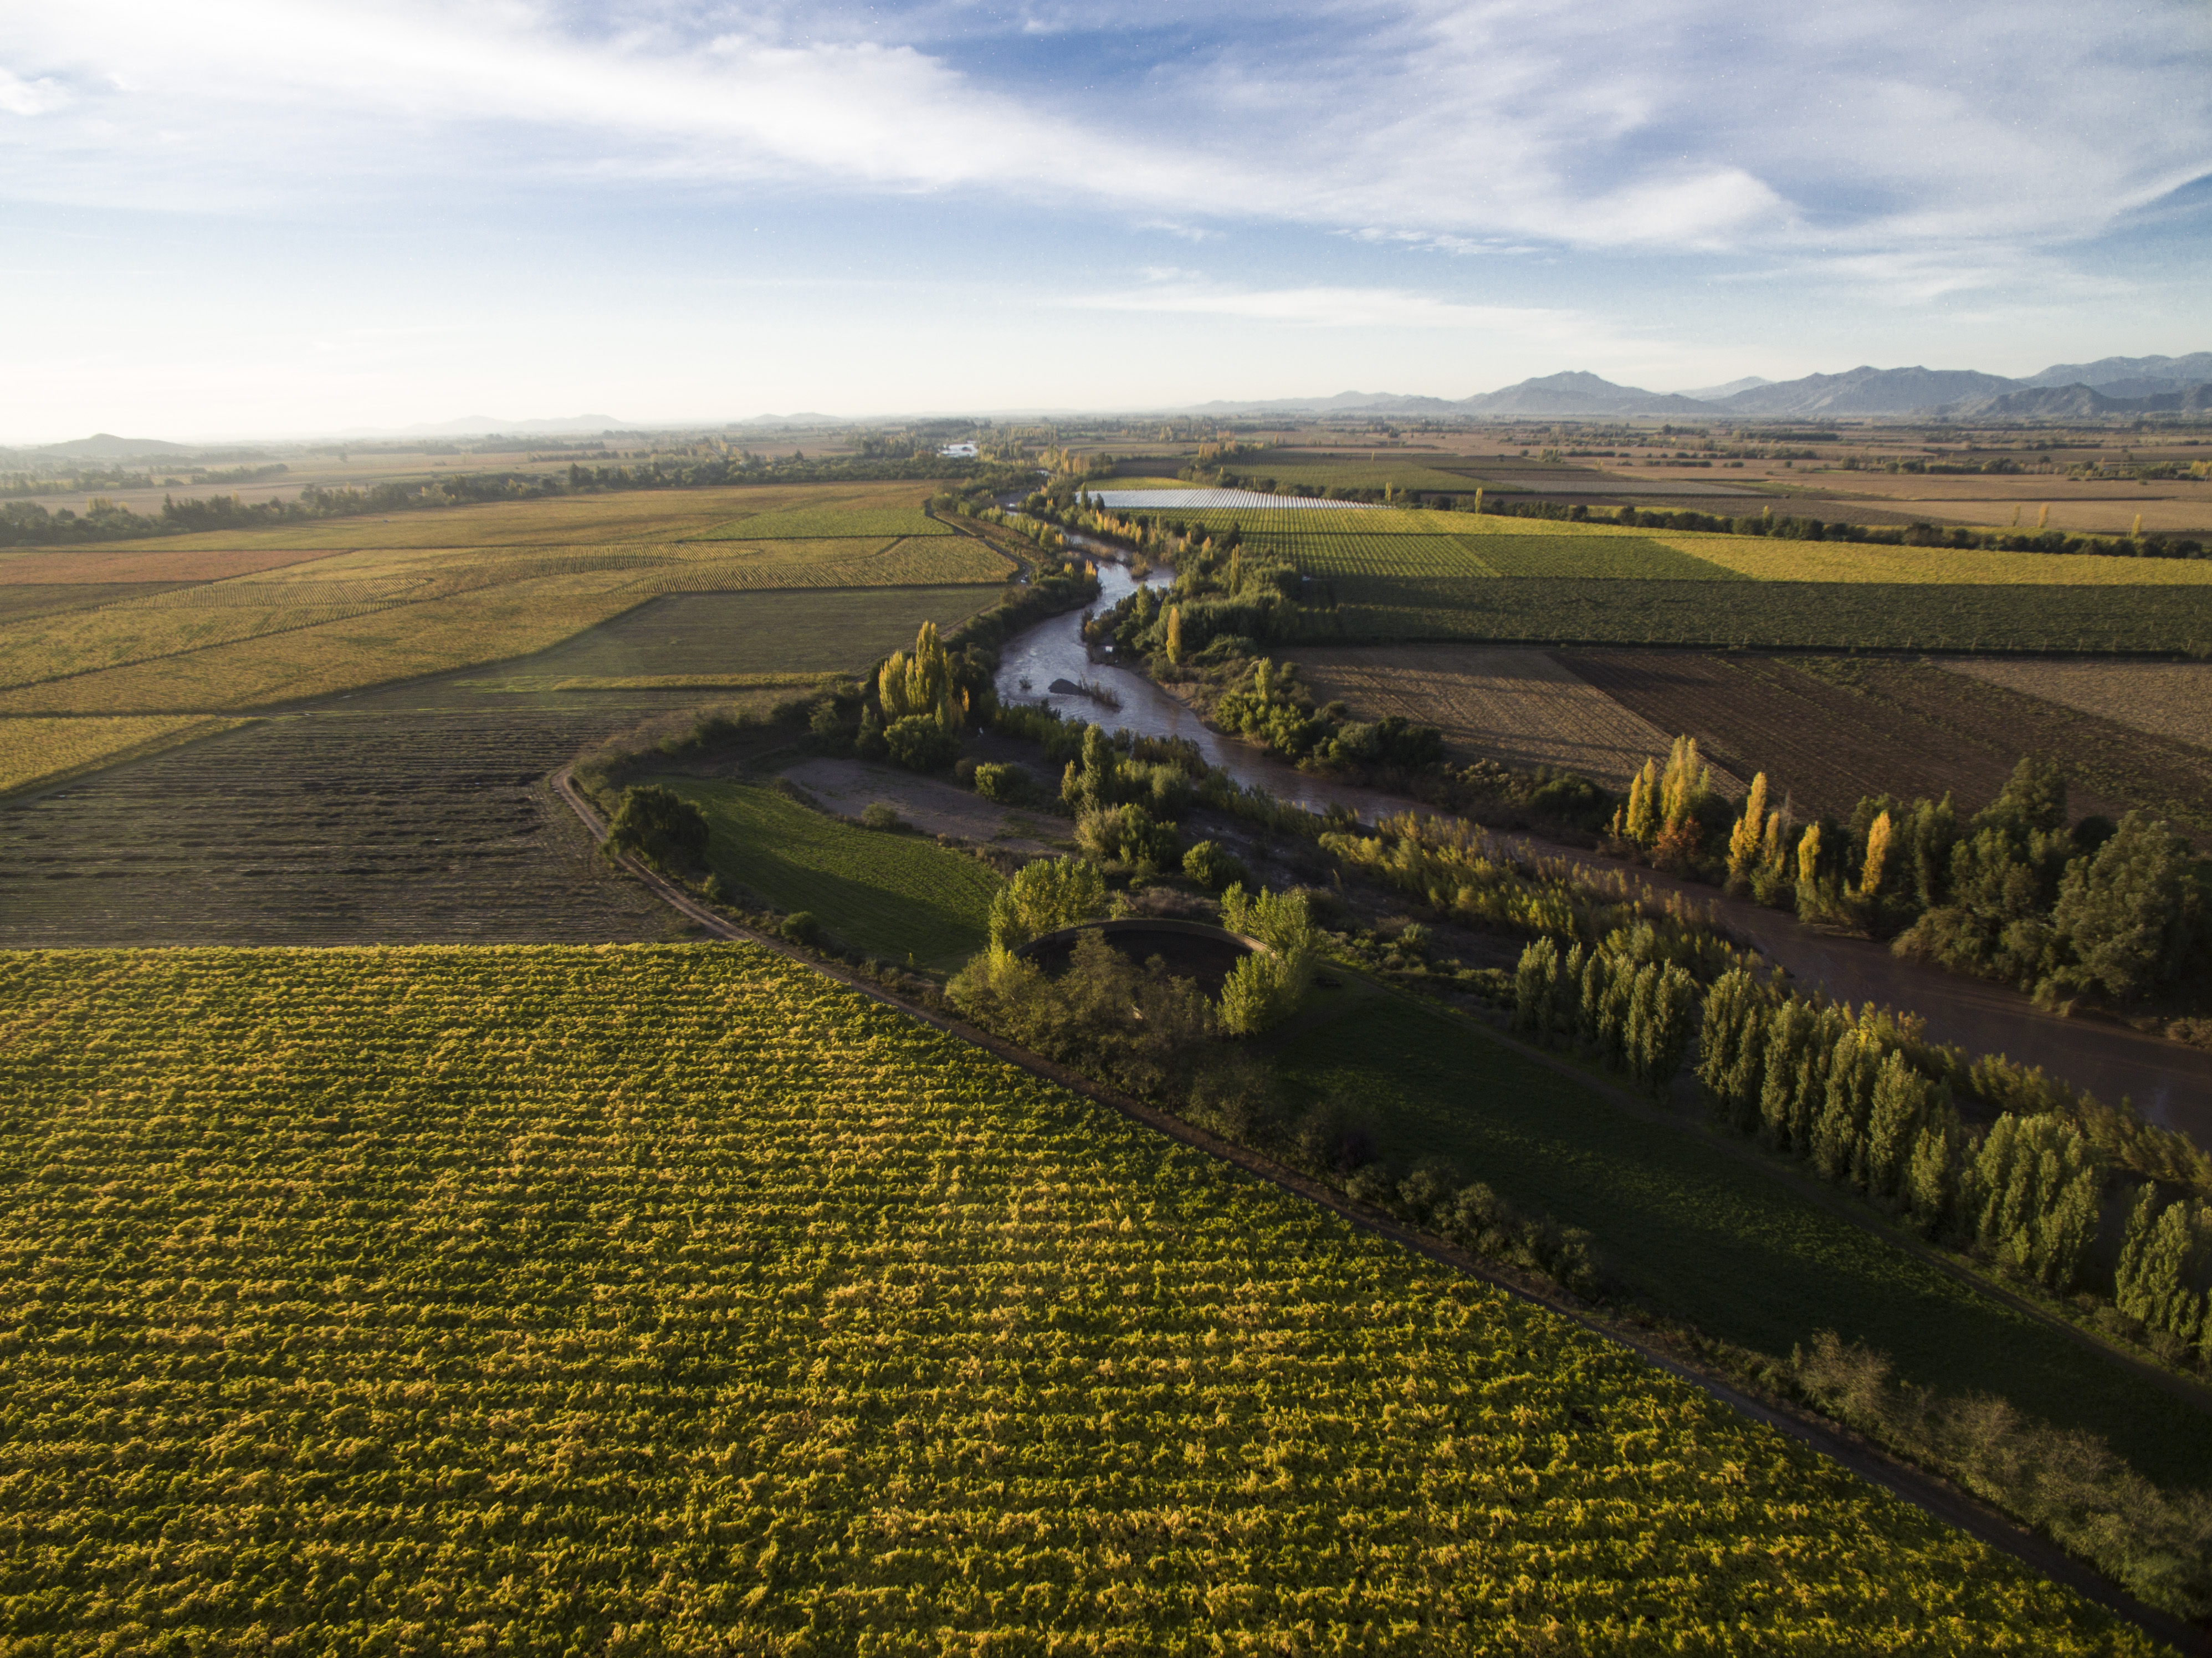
<point x="1729" y="1246"/>
<point x="891" y="895"/>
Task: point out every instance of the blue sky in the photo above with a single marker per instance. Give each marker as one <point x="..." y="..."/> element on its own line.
<point x="267" y="216"/>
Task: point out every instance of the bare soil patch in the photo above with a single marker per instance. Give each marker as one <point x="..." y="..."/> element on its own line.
<point x="847" y="787"/>
<point x="2165" y="699"/>
<point x="1828" y="730"/>
<point x="1514" y="704"/>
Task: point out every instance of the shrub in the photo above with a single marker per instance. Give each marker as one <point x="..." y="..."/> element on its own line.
<point x="658" y="825"/>
<point x="919" y="742"/>
<point x="1008" y="784"/>
<point x="1214" y="866"/>
<point x="1044" y="896"/>
<point x="801" y="928"/>
<point x="879" y="815"/>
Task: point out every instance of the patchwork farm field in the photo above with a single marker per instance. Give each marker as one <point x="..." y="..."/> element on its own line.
<point x="897" y="896"/>
<point x="1829" y="730"/>
<point x="1510" y="703"/>
<point x="1435" y="576"/>
<point x="204" y="628"/>
<point x="33" y="750"/>
<point x="416" y="812"/>
<point x="342" y="826"/>
<point x="1808" y="616"/>
<point x="2166" y="699"/>
<point x="820" y="1332"/>
<point x="652" y="515"/>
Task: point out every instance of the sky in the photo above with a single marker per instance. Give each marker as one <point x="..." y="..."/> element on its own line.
<point x="274" y="217"/>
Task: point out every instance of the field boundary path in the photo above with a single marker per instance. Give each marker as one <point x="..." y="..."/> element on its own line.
<point x="1935" y="1496"/>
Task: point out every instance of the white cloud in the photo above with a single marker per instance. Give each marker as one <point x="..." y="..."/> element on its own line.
<point x="21" y="97"/>
<point x="1884" y="130"/>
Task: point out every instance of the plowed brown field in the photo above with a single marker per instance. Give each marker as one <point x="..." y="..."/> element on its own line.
<point x="1512" y="703"/>
<point x="2166" y="699"/>
<point x="1831" y="729"/>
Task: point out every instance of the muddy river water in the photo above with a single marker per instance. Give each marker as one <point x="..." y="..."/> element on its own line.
<point x="2168" y="1083"/>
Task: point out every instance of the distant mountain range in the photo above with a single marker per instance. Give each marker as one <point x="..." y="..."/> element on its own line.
<point x="2112" y="385"/>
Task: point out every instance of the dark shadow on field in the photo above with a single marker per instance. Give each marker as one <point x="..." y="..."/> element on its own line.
<point x="1712" y="1240"/>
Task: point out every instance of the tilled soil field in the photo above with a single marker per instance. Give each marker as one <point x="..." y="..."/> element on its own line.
<point x="2166" y="699"/>
<point x="1828" y="730"/>
<point x="1504" y="702"/>
<point x="380" y="825"/>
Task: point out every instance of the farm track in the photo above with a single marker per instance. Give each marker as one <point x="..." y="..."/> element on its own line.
<point x="1935" y="1496"/>
<point x="1819" y="743"/>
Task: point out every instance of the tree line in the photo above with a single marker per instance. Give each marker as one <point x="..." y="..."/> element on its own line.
<point x="27" y="523"/>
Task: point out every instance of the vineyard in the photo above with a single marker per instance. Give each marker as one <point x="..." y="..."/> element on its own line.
<point x="899" y="897"/>
<point x="416" y="812"/>
<point x="1802" y="614"/>
<point x="35" y="750"/>
<point x="678" y="1300"/>
<point x="807" y="521"/>
<point x="343" y="619"/>
<point x="1765" y="559"/>
<point x="1410" y="575"/>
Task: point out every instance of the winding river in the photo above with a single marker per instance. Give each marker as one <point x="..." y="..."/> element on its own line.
<point x="2170" y="1083"/>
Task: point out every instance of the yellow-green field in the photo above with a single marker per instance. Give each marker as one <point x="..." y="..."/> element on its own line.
<point x="323" y="608"/>
<point x="353" y="1305"/>
<point x="46" y="750"/>
<point x="1394" y="573"/>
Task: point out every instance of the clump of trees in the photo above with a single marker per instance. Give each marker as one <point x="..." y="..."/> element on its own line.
<point x="1266" y="986"/>
<point x="1871" y="1108"/>
<point x="2112" y="912"/>
<point x="1617" y="1002"/>
<point x="660" y="826"/>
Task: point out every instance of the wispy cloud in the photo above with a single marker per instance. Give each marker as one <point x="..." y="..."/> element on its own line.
<point x="1698" y="126"/>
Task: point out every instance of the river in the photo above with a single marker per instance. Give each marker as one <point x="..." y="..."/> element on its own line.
<point x="2170" y="1083"/>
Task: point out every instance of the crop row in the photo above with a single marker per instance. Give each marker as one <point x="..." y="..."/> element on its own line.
<point x="33" y="749"/>
<point x="1805" y="615"/>
<point x="801" y="522"/>
<point x="676" y="1300"/>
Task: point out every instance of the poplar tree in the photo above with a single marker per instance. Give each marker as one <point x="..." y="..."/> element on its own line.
<point x="1901" y="1100"/>
<point x="1750" y="833"/>
<point x="1808" y="857"/>
<point x="1877" y="855"/>
<point x="1175" y="634"/>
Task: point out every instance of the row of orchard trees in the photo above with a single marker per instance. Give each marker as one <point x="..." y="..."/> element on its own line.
<point x="1853" y="1096"/>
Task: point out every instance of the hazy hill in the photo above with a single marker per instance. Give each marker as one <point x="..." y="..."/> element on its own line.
<point x="1579" y="393"/>
<point x="2079" y="403"/>
<point x="1863" y="391"/>
<point x="106" y="445"/>
<point x="2130" y="377"/>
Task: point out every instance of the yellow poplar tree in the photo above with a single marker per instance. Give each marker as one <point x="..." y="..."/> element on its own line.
<point x="1877" y="855"/>
<point x="1175" y="634"/>
<point x="1644" y="804"/>
<point x="1808" y="856"/>
<point x="1750" y="829"/>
